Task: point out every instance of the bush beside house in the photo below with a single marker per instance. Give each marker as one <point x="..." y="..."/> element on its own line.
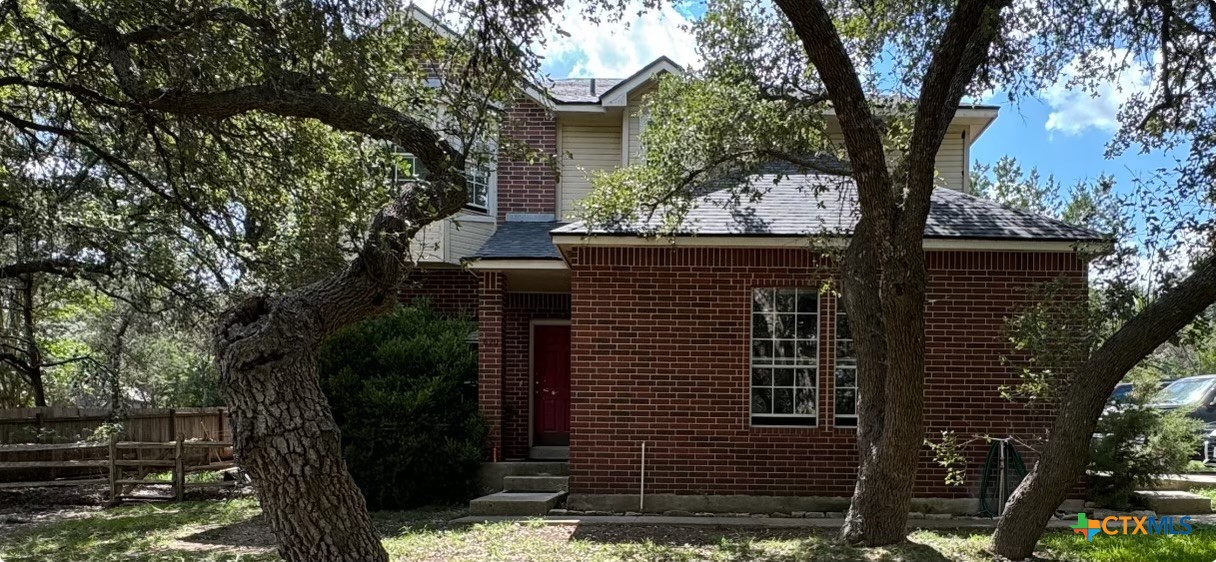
<point x="403" y="390"/>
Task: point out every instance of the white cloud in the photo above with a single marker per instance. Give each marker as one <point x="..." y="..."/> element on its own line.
<point x="616" y="49"/>
<point x="1074" y="109"/>
<point x="607" y="49"/>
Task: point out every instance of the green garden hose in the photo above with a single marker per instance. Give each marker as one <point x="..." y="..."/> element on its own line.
<point x="990" y="487"/>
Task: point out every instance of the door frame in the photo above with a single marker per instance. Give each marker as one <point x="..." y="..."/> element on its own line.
<point x="532" y="324"/>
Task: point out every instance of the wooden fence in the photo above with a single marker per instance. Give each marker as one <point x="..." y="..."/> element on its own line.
<point x="63" y="438"/>
<point x="128" y="464"/>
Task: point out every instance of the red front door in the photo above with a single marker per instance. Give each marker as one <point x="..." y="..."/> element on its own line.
<point x="551" y="385"/>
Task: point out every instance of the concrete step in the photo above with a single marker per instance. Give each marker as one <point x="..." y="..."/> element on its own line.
<point x="536" y="483"/>
<point x="515" y="503"/>
<point x="549" y="453"/>
<point x="492" y="473"/>
<point x="1167" y="502"/>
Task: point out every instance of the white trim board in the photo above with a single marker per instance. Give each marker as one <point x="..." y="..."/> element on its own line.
<point x="508" y="265"/>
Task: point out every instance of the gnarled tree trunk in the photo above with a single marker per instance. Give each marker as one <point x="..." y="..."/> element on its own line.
<point x="890" y="335"/>
<point x="1067" y="453"/>
<point x="283" y="432"/>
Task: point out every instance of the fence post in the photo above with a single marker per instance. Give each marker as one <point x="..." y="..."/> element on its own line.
<point x="172" y="422"/>
<point x="179" y="473"/>
<point x="114" y="469"/>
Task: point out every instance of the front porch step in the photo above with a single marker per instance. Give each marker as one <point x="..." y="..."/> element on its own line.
<point x="549" y="453"/>
<point x="536" y="483"/>
<point x="515" y="503"/>
<point x="492" y="474"/>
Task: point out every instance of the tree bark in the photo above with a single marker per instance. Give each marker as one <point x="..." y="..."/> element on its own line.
<point x="114" y="365"/>
<point x="285" y="436"/>
<point x="1066" y="455"/>
<point x="33" y="354"/>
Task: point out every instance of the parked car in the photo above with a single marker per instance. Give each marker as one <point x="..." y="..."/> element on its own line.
<point x="1199" y="395"/>
<point x="1121" y="395"/>
<point x="1196" y="393"/>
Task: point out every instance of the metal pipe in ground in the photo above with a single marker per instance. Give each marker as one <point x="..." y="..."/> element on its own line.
<point x="1001" y="485"/>
<point x="642" y="482"/>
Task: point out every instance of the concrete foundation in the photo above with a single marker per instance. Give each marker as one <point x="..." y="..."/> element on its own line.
<point x="660" y="503"/>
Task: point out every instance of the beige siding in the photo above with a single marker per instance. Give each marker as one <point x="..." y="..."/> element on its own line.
<point x="951" y="161"/>
<point x="428" y="245"/>
<point x="466" y="237"/>
<point x="636" y="122"/>
<point x="450" y="240"/>
<point x="587" y="144"/>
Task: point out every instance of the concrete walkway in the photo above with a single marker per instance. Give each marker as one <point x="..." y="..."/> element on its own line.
<point x="739" y="522"/>
<point x="1184" y="482"/>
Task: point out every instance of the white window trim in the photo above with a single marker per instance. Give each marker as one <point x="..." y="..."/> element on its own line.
<point x="836" y="339"/>
<point x="813" y="419"/>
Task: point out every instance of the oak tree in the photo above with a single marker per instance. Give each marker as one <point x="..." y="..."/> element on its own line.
<point x="240" y="121"/>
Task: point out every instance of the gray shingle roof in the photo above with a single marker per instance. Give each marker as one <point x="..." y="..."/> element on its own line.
<point x="578" y="90"/>
<point x="520" y="240"/>
<point x="818" y="204"/>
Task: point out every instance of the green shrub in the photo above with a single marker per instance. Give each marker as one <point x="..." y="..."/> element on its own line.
<point x="1136" y="444"/>
<point x="403" y="390"/>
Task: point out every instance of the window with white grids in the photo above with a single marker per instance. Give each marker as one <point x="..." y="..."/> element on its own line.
<point x="785" y="356"/>
<point x="407" y="167"/>
<point x="846" y="372"/>
<point x="479" y="189"/>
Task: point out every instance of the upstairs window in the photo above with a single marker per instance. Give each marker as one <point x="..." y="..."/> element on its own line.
<point x="846" y="371"/>
<point x="785" y="356"/>
<point x="479" y="189"/>
<point x="407" y="167"/>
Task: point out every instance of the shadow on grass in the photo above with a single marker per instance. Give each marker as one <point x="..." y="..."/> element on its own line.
<point x="251" y="533"/>
<point x="138" y="532"/>
<point x="739" y="545"/>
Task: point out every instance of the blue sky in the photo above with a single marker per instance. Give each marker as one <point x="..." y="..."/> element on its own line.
<point x="1062" y="132"/>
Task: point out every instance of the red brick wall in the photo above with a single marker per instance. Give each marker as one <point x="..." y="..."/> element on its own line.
<point x="452" y="291"/>
<point x="489" y="355"/>
<point x="525" y="187"/>
<point x="518" y="313"/>
<point x="660" y="353"/>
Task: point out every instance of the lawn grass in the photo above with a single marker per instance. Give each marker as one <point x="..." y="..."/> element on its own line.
<point x="231" y="530"/>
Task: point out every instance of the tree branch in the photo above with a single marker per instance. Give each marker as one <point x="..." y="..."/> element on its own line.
<point x="288" y="95"/>
<point x="65" y="267"/>
<point x="159" y="32"/>
<point x="1155" y="324"/>
<point x="813" y="25"/>
<point x="16" y="361"/>
<point x="962" y="48"/>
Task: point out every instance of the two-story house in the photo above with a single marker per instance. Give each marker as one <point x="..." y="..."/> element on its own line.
<point x="710" y="371"/>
